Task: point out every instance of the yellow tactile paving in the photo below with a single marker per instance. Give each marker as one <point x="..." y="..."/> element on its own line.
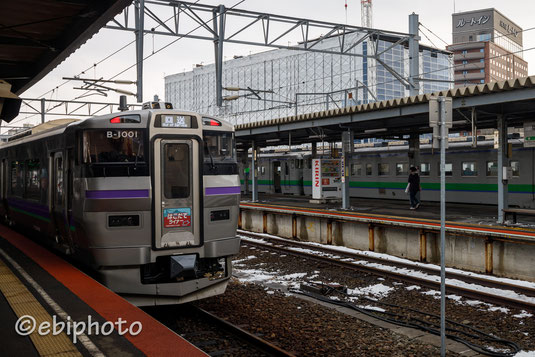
<point x="24" y="303"/>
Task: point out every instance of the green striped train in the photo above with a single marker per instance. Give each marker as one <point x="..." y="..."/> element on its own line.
<point x="381" y="172"/>
<point x="147" y="199"/>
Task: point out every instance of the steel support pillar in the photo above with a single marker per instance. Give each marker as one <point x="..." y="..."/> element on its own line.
<point x="253" y="173"/>
<point x="502" y="162"/>
<point x="139" y="19"/>
<point x="43" y="110"/>
<point x="314" y="150"/>
<point x="347" y="154"/>
<point x="414" y="150"/>
<point x="218" y="23"/>
<point x="414" y="54"/>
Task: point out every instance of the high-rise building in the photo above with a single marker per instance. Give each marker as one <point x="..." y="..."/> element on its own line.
<point x="487" y="47"/>
<point x="297" y="82"/>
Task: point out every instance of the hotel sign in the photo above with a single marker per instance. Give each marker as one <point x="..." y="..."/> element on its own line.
<point x="473" y="21"/>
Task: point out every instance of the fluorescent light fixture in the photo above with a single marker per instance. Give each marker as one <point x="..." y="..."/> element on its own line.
<point x="315" y="137"/>
<point x="371" y="131"/>
<point x="272" y="140"/>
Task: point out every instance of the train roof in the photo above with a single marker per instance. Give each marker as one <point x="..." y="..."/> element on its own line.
<point x="58" y="126"/>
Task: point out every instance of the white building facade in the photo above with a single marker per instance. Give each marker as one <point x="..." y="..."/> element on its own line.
<point x="284" y="83"/>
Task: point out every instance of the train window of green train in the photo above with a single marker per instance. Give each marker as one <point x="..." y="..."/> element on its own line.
<point x="492" y="168"/>
<point x="469" y="168"/>
<point x="425" y="169"/>
<point x="356" y="170"/>
<point x="384" y="169"/>
<point x="449" y="169"/>
<point x="402" y="169"/>
<point x="515" y="165"/>
<point x="369" y="169"/>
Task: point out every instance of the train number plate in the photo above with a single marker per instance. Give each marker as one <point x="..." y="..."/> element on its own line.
<point x="176" y="217"/>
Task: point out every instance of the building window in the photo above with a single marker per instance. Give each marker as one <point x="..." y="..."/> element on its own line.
<point x="482" y="60"/>
<point x="402" y="169"/>
<point x="481" y="81"/>
<point x="425" y="169"/>
<point x="465" y="62"/>
<point x="464" y="52"/>
<point x="482" y="71"/>
<point x="465" y="72"/>
<point x="469" y="168"/>
<point x="368" y="169"/>
<point x="492" y="168"/>
<point x="515" y="165"/>
<point x="481" y="50"/>
<point x="384" y="169"/>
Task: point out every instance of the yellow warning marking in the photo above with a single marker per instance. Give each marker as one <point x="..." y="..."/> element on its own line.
<point x="24" y="303"/>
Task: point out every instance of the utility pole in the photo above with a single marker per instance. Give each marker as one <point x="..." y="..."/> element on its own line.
<point x="440" y="117"/>
<point x="139" y="17"/>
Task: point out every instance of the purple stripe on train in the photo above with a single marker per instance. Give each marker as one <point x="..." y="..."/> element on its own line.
<point x="222" y="190"/>
<point x="107" y="194"/>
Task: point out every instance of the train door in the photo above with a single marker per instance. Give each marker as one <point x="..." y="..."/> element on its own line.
<point x="277" y="176"/>
<point x="58" y="197"/>
<point x="177" y="179"/>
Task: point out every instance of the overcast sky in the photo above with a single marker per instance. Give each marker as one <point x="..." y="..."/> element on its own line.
<point x="185" y="53"/>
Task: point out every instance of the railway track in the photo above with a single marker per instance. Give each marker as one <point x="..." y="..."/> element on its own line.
<point x="354" y="261"/>
<point x="260" y="347"/>
<point x="212" y="334"/>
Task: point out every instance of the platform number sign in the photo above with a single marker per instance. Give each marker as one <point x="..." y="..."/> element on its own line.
<point x="529" y="134"/>
<point x="177" y="217"/>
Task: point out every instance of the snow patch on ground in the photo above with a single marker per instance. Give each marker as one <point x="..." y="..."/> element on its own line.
<point x="523" y="314"/>
<point x="525" y="354"/>
<point x="413" y="287"/>
<point x="378" y="291"/>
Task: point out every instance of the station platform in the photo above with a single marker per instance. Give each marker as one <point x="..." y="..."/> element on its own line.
<point x="43" y="293"/>
<point x="474" y="240"/>
<point x="471" y="216"/>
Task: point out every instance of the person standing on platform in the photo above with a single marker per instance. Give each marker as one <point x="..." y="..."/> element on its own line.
<point x="414" y="187"/>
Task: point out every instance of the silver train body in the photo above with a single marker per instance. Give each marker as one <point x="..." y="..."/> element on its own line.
<point x="381" y="172"/>
<point x="148" y="199"/>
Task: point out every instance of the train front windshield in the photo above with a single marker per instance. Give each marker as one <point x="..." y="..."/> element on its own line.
<point x="219" y="146"/>
<point x="112" y="152"/>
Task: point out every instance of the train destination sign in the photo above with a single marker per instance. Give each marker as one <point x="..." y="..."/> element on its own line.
<point x="172" y="121"/>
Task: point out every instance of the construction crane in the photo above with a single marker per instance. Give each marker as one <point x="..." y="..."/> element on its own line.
<point x="366" y="13"/>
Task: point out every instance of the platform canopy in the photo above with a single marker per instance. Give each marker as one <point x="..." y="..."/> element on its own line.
<point x="37" y="35"/>
<point x="514" y="100"/>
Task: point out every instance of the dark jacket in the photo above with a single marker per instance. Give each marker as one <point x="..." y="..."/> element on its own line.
<point x="414" y="183"/>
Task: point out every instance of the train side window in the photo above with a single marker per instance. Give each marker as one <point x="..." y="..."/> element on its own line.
<point x="515" y="165"/>
<point x="356" y="170"/>
<point x="492" y="168"/>
<point x="59" y="181"/>
<point x="384" y="169"/>
<point x="369" y="170"/>
<point x="402" y="169"/>
<point x="469" y="168"/>
<point x="14" y="175"/>
<point x="32" y="181"/>
<point x="263" y="170"/>
<point x="449" y="169"/>
<point x="286" y="169"/>
<point x="425" y="169"/>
